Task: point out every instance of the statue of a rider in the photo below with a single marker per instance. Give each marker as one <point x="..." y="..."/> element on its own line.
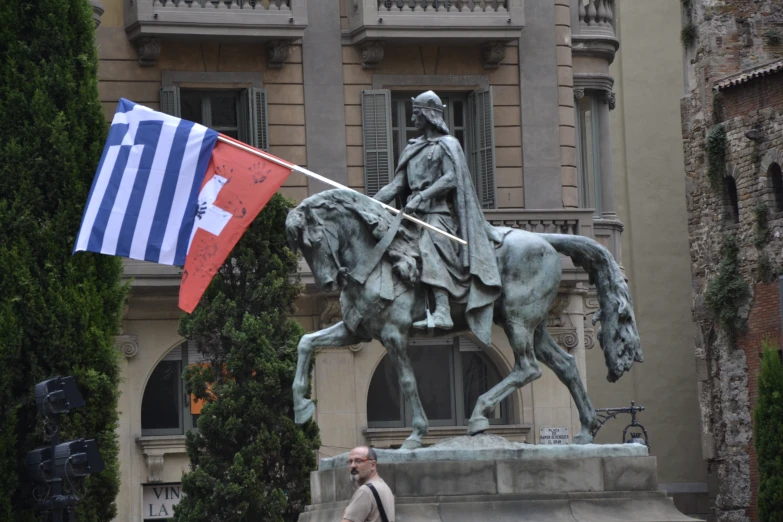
<point x="433" y="182"/>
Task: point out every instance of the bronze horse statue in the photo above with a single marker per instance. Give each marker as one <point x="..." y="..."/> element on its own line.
<point x="337" y="231"/>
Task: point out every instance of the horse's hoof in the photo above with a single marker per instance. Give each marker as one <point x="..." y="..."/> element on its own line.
<point x="304" y="412"/>
<point x="411" y="444"/>
<point x="478" y="425"/>
<point x="583" y="437"/>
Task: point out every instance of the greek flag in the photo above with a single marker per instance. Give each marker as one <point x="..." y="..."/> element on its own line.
<point x="143" y="200"/>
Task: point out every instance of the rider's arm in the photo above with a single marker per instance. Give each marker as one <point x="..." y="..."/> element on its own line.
<point x="446" y="182"/>
<point x="390" y="191"/>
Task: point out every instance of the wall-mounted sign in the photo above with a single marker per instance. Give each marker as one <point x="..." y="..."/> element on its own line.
<point x="554" y="436"/>
<point x="158" y="501"/>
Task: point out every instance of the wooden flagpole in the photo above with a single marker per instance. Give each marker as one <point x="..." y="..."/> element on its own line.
<point x="297" y="168"/>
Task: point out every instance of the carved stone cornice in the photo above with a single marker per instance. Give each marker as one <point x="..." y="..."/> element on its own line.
<point x="372" y="54"/>
<point x="599" y="45"/>
<point x="127" y="345"/>
<point x="277" y="53"/>
<point x="492" y="54"/>
<point x="592" y="82"/>
<point x="148" y="50"/>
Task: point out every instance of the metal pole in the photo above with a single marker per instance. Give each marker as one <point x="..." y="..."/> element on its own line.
<point x="56" y="482"/>
<point x="328" y="181"/>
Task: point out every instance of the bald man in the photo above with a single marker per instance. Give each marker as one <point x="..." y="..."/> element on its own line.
<point x="373" y="501"/>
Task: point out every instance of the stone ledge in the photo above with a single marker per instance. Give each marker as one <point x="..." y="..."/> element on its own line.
<point x="596" y="507"/>
<point x="493" y="447"/>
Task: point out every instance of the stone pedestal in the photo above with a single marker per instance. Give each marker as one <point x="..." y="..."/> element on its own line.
<point x="495" y="480"/>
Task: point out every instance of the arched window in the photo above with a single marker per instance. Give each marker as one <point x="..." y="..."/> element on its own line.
<point x="732" y="202"/>
<point x="451" y="374"/>
<point x="165" y="408"/>
<point x="776" y="181"/>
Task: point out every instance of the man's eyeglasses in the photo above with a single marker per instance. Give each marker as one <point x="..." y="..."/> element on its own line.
<point x="357" y="461"/>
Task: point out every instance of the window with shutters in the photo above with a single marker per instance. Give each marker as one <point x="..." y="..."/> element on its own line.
<point x="451" y="374"/>
<point x="165" y="407"/>
<point x="387" y="127"/>
<point x="240" y="114"/>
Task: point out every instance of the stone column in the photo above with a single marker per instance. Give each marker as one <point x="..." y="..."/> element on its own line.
<point x="538" y="81"/>
<point x="128" y="346"/>
<point x="323" y="94"/>
<point x="605" y="103"/>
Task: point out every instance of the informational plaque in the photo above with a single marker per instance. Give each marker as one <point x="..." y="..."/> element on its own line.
<point x="554" y="436"/>
<point x="158" y="501"/>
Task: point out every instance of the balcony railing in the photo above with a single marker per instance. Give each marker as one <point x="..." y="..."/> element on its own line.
<point x="574" y="222"/>
<point x="596" y="16"/>
<point x="593" y="28"/>
<point x="248" y="20"/>
<point x="445" y="21"/>
<point x="444" y="6"/>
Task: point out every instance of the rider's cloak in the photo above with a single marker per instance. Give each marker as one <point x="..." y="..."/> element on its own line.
<point x="478" y="257"/>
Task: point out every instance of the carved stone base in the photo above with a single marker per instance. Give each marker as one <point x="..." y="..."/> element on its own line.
<point x="587" y="483"/>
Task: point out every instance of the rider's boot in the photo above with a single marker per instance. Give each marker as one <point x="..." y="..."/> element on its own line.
<point x="441" y="318"/>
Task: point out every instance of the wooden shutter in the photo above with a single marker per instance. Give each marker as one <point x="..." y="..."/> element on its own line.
<point x="253" y="121"/>
<point x="481" y="146"/>
<point x="377" y="133"/>
<point x="169" y="101"/>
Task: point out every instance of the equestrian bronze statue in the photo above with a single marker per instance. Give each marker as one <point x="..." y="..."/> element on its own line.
<point x="399" y="281"/>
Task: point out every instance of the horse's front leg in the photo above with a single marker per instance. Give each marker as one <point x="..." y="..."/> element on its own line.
<point x="337" y="335"/>
<point x="396" y="344"/>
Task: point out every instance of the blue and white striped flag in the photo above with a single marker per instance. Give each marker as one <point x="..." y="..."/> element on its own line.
<point x="143" y="199"/>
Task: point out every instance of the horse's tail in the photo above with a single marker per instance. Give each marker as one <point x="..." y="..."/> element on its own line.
<point x="617" y="335"/>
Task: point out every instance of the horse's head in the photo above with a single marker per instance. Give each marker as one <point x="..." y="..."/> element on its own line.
<point x="306" y="232"/>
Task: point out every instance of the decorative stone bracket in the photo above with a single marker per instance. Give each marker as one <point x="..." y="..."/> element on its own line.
<point x="277" y="53"/>
<point x="492" y="54"/>
<point x="372" y="54"/>
<point x="155" y="449"/>
<point x="128" y="345"/>
<point x="148" y="50"/>
<point x="610" y="99"/>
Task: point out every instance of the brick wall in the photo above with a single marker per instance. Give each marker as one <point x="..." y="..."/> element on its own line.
<point x="752" y="96"/>
<point x="764" y="323"/>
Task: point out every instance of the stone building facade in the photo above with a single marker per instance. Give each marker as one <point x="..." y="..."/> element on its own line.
<point x="732" y="126"/>
<point x="529" y="86"/>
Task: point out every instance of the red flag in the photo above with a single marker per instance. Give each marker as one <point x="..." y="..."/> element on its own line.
<point x="236" y="187"/>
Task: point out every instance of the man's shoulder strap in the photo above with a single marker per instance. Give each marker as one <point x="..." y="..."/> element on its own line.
<point x="375" y="494"/>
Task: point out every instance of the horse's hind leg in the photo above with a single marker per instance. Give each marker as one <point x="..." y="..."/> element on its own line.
<point x="564" y="366"/>
<point x="525" y="370"/>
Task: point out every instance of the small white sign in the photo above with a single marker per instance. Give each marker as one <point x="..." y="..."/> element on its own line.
<point x="158" y="501"/>
<point x="554" y="436"/>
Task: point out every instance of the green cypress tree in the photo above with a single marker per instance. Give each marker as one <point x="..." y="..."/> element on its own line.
<point x="58" y="312"/>
<point x="250" y="461"/>
<point x="768" y="435"/>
